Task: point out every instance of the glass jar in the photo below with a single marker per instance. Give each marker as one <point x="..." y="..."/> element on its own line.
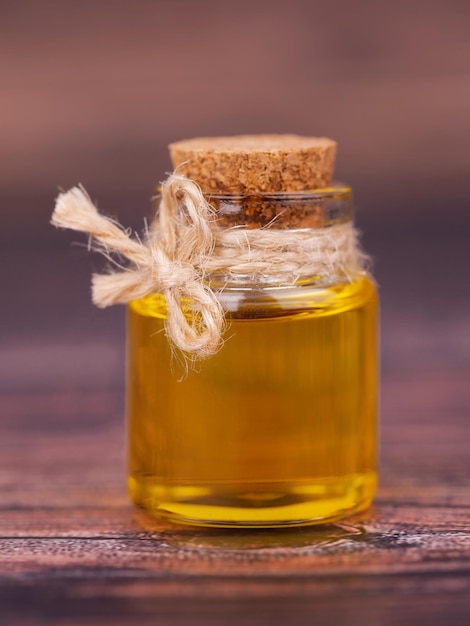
<point x="279" y="427"/>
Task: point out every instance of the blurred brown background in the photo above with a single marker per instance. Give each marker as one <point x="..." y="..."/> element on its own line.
<point x="96" y="90"/>
<point x="93" y="92"/>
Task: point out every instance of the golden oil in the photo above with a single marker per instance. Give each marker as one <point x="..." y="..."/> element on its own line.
<point x="278" y="428"/>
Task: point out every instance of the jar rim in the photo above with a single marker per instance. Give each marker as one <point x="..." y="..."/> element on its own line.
<point x="335" y="190"/>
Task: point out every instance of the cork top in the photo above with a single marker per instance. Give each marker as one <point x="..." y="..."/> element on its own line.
<point x="253" y="164"/>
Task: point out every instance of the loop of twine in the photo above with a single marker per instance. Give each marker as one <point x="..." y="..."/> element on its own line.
<point x="184" y="245"/>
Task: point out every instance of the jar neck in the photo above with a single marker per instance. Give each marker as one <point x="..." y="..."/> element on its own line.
<point x="283" y="239"/>
<point x="307" y="209"/>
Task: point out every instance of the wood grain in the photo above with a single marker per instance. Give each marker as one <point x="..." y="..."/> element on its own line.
<point x="73" y="550"/>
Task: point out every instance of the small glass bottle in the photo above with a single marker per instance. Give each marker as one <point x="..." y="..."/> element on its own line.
<point x="279" y="426"/>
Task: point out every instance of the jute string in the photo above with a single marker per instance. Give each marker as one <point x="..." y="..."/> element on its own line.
<point x="184" y="245"/>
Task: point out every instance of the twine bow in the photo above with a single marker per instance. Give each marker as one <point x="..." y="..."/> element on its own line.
<point x="170" y="260"/>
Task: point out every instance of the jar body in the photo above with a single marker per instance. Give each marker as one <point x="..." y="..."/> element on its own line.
<point x="278" y="428"/>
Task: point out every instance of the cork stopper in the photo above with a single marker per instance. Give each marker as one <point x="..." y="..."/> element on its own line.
<point x="254" y="164"/>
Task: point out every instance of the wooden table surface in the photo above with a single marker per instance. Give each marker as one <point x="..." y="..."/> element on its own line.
<point x="74" y="551"/>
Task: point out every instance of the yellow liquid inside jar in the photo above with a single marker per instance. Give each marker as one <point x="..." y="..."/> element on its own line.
<point x="278" y="428"/>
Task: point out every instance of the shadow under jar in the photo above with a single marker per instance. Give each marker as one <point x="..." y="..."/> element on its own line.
<point x="279" y="427"/>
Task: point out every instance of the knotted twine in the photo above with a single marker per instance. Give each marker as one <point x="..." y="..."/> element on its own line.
<point x="183" y="246"/>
